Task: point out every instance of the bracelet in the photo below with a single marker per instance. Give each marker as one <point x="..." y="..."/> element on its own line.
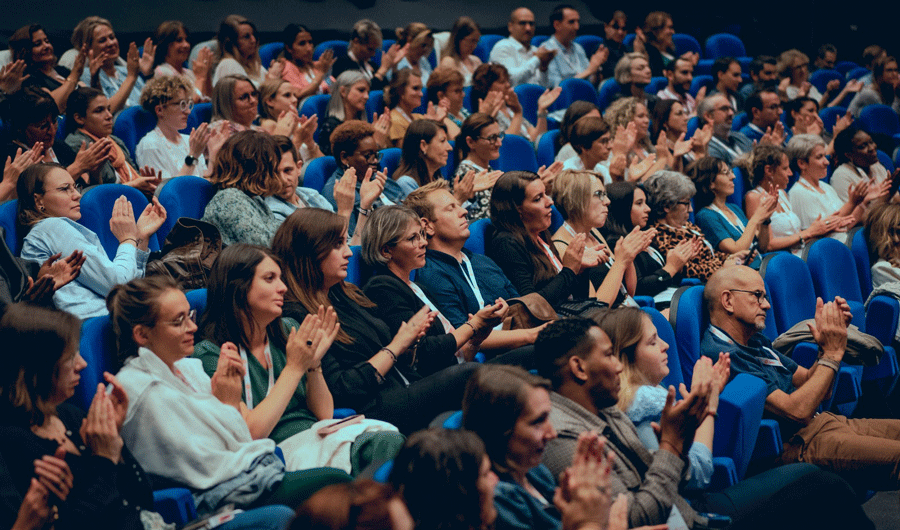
<point x="392" y="354"/>
<point x="767" y="222"/>
<point x="137" y="242"/>
<point x="829" y="363"/>
<point x="467" y="323"/>
<point x="363" y="211"/>
<point x="316" y="369"/>
<point x="542" y="114"/>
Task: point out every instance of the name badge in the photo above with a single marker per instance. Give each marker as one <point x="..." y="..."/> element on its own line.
<point x="772" y="362"/>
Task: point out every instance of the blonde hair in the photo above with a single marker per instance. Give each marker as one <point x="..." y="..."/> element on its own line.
<point x="418" y="201"/>
<point x="625" y="328"/>
<point x="787" y="59"/>
<point x="163" y="89"/>
<point x="621" y="112"/>
<point x="572" y="193"/>
<point x="883" y="232"/>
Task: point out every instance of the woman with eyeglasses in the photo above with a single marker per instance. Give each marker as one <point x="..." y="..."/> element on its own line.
<point x="46" y="217"/>
<point x="234" y="106"/>
<point x="164" y="148"/>
<point x="793" y="69"/>
<point x="478" y="143"/>
<point x="494" y="95"/>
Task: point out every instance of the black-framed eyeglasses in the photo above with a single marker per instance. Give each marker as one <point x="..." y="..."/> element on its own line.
<point x="373" y="155"/>
<point x="760" y="295"/>
<point x="494" y="137"/>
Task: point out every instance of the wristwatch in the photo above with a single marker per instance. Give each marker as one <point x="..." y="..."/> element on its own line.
<point x="189" y="160"/>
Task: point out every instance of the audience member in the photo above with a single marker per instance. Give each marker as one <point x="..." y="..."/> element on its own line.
<point x="724" y="224"/>
<point x="590" y="137"/>
<point x="23" y="280"/>
<point x="524" y="62"/>
<point x="367" y="368"/>
<point x="403" y="96"/>
<point x="477" y="144"/>
<point x="576" y="111"/>
<point x="177" y="416"/>
<point x="881" y="234"/>
<point x="629" y="129"/>
<point x="168" y="151"/>
<point x="581" y="199"/>
<point x="424" y="153"/>
<point x="279" y="116"/>
<point x="826" y="57"/>
<point x="570" y="59"/>
<point x="464" y="37"/>
<point x="235" y="107"/>
<point x="31" y="45"/>
<point x="864" y="451"/>
<point x="495" y="96"/>
<point x="118" y="82"/>
<point x="360" y="505"/>
<point x="46" y="219"/>
<point x="763" y="74"/>
<point x="172" y="52"/>
<point x="349" y="95"/>
<point x="365" y="43"/>
<point x="726" y="74"/>
<point x="883" y="90"/>
<point x="669" y="120"/>
<point x="764" y="111"/>
<point x="520" y="245"/>
<point x="793" y="68"/>
<point x="293" y="196"/>
<point x="244" y="174"/>
<point x="308" y="77"/>
<point x="614" y="31"/>
<point x="418" y="42"/>
<point x="633" y="75"/>
<point x="393" y="245"/>
<point x="446" y="84"/>
<point x="855" y="161"/>
<point x="680" y="75"/>
<point x="725" y="144"/>
<point x="870" y="54"/>
<point x="239" y="52"/>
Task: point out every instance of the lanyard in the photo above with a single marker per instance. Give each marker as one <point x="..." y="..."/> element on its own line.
<point x="448" y="327"/>
<point x="739" y="226"/>
<point x="723" y="145"/>
<point x="248" y="391"/>
<point x="773" y="361"/>
<point x="657" y="256"/>
<point x="469" y="275"/>
<point x="553" y="259"/>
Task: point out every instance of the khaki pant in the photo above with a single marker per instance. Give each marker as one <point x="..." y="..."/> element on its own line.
<point x="866" y="452"/>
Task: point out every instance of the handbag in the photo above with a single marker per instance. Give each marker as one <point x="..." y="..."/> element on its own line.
<point x="188" y="253"/>
<point x="528" y="311"/>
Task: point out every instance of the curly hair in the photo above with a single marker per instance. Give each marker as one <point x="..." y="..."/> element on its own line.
<point x="346" y="137"/>
<point x="163" y="89"/>
<point x="248" y="161"/>
<point x="620" y="113"/>
<point x="761" y="157"/>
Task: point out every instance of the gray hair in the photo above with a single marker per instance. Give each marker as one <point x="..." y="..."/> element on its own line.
<point x="706" y="106"/>
<point x="622" y="73"/>
<point x="665" y="189"/>
<point x="384" y="228"/>
<point x="365" y="30"/>
<point x="336" y="102"/>
<point x="801" y="146"/>
<point x="223" y="96"/>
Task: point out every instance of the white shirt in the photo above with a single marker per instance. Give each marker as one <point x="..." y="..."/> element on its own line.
<point x="522" y="64"/>
<point x="229" y="66"/>
<point x="156" y="151"/>
<point x="848" y="174"/>
<point x="576" y="164"/>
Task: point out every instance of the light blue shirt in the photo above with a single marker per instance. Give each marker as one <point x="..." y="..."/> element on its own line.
<point x="281" y="209"/>
<point x="110" y="85"/>
<point x="424" y="67"/>
<point x="567" y="63"/>
<point x="85" y="296"/>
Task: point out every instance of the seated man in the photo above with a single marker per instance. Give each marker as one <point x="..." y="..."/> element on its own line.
<point x="826" y="58"/>
<point x="571" y="59"/>
<point x="764" y="109"/>
<point x="763" y="74"/>
<point x="866" y="452"/>
<point x="579" y="359"/>
<point x="680" y="74"/>
<point x="524" y="62"/>
<point x="460" y="282"/>
<point x="725" y="143"/>
<point x="726" y="72"/>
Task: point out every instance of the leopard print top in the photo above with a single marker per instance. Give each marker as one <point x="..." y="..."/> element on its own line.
<point x="701" y="266"/>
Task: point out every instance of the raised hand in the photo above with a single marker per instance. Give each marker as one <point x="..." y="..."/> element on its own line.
<point x="15" y="166"/>
<point x="99" y="430"/>
<point x="639" y="170"/>
<point x="226" y="381"/>
<point x="286" y="123"/>
<point x="132" y="60"/>
<point x="118" y="398"/>
<point x="303" y="343"/>
<point x="492" y="103"/>
<point x="63" y="271"/>
<point x="412" y="330"/>
<point x="201" y="65"/>
<point x="146" y="60"/>
<point x="372" y="186"/>
<point x="679" y="421"/>
<point x="681" y="147"/>
<point x="11" y="76"/>
<point x="303" y="134"/>
<point x="122" y="223"/>
<point x="382" y="125"/>
<point x="547" y="99"/>
<point x="512" y="101"/>
<point x="829" y="330"/>
<point x="485" y="180"/>
<point x="464" y="186"/>
<point x="774" y="136"/>
<point x="842" y="123"/>
<point x="679" y="255"/>
<point x="435" y="112"/>
<point x="345" y="191"/>
<point x="599" y="57"/>
<point x="89" y="157"/>
<point x="701" y="138"/>
<point x="548" y="174"/>
<point x="326" y="60"/>
<point x="583" y="495"/>
<point x="276" y="68"/>
<point x="151" y="219"/>
<point x="628" y="247"/>
<point x="34" y="513"/>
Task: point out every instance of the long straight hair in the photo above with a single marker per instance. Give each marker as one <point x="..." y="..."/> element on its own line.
<point x="625" y="328"/>
<point x="412" y="160"/>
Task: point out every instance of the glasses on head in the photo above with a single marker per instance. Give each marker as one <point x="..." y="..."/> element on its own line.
<point x="372" y="155"/>
<point x="182" y="320"/>
<point x="185" y="104"/>
<point x="68" y="188"/>
<point x="494" y="138"/>
<point x="760" y="295"/>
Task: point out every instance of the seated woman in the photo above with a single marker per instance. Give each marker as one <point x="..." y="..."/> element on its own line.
<point x="365" y="43"/>
<point x="664" y="202"/>
<point x="445" y="478"/>
<point x="464" y="37"/>
<point x="403" y="96"/>
<point x="581" y="198"/>
<point x="669" y="117"/>
<point x="419" y="43"/>
<point x="424" y="153"/>
<point x="178" y="416"/>
<point x="494" y="95"/>
<point x="654" y="39"/>
<point x="349" y="95"/>
<point x="308" y="77"/>
<point x="164" y="148"/>
<point x="509" y="409"/>
<point x="478" y="143"/>
<point x="793" y="69"/>
<point x="245" y="174"/>
<point x="642" y="159"/>
<point x="234" y="106"/>
<point x="239" y="52"/>
<point x="855" y="161"/>
<point x="811" y="197"/>
<point x="30" y="116"/>
<point x="633" y="74"/>
<point x="31" y="45"/>
<point x="367" y="368"/>
<point x="521" y="215"/>
<point x="883" y="90"/>
<point x="642" y="396"/>
<point x="446" y="83"/>
<point x="726" y="227"/>
<point x="279" y="116"/>
<point x="576" y="111"/>
<point x="393" y="245"/>
<point x="770" y="173"/>
<point x="590" y="139"/>
<point x="89" y="119"/>
<point x="356" y="152"/>
<point x="121" y="83"/>
<point x="883" y="242"/>
<point x="46" y="218"/>
<point x="287" y="399"/>
<point x="293" y="196"/>
<point x="173" y="48"/>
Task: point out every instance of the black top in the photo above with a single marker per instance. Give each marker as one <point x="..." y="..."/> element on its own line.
<point x="515" y="261"/>
<point x="325" y="129"/>
<point x="41" y="80"/>
<point x="354" y="382"/>
<point x="651" y="278"/>
<point x="63" y="152"/>
<point x="398" y="303"/>
<point x="104" y="495"/>
<point x="344" y="63"/>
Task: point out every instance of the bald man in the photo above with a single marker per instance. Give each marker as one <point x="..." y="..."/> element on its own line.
<point x="864" y="451"/>
<point x="525" y="63"/>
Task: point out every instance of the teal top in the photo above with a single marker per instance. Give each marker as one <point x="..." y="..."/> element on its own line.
<point x="296" y="417"/>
